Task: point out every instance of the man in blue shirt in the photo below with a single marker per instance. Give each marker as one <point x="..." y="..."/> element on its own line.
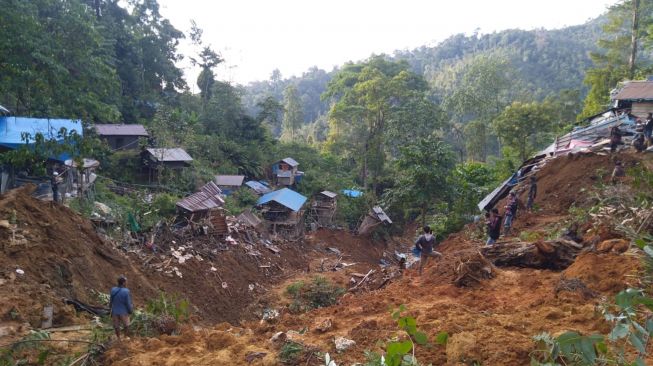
<point x="120" y="303"/>
<point x="425" y="244"/>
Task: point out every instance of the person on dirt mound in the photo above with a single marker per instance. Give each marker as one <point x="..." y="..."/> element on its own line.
<point x="425" y="244"/>
<point x="510" y="212"/>
<point x="493" y="227"/>
<point x="615" y="138"/>
<point x="532" y="193"/>
<point x="120" y="303"/>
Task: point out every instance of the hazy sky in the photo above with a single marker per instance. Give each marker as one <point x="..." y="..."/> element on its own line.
<point x="257" y="36"/>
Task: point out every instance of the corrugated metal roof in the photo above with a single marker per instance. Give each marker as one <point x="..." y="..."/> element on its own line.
<point x="11" y="129"/>
<point x="285" y="197"/>
<point x="290" y="161"/>
<point x="635" y="90"/>
<point x="380" y="214"/>
<point x="229" y="180"/>
<point x="120" y="130"/>
<point x="207" y="198"/>
<point x="175" y="154"/>
<point x="329" y="194"/>
<point x="258" y="187"/>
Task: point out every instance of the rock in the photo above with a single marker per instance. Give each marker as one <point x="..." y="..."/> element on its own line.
<point x="462" y="347"/>
<point x="324" y="325"/>
<point x="615" y="245"/>
<point x="102" y="209"/>
<point x="5" y="224"/>
<point x="278" y="338"/>
<point x="343" y="344"/>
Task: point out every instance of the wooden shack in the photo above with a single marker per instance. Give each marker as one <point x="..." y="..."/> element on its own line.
<point x="121" y="136"/>
<point x="205" y="206"/>
<point x="636" y="96"/>
<point x="282" y="213"/>
<point x="323" y="208"/>
<point x="285" y="172"/>
<point x="229" y="183"/>
<point x="155" y="159"/>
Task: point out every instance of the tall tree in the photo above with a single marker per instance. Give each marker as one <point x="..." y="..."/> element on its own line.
<point x="270" y="114"/>
<point x="293" y="115"/>
<point x="628" y="23"/>
<point x="524" y="126"/>
<point x="373" y="101"/>
<point x="207" y="60"/>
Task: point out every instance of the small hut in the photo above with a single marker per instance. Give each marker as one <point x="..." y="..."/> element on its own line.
<point x="285" y="172"/>
<point x="282" y="213"/>
<point x="374" y="218"/>
<point x="229" y="183"/>
<point x="323" y="208"/>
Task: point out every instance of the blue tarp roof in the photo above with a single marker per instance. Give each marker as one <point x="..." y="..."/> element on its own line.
<point x="285" y="197"/>
<point x="351" y="193"/>
<point x="11" y="129"/>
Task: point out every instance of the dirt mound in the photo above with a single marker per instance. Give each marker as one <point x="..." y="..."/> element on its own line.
<point x="604" y="272"/>
<point x="49" y="253"/>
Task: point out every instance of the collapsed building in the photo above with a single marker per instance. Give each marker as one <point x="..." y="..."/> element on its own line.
<point x="205" y="206"/>
<point x="375" y="217"/>
<point x="283" y="213"/>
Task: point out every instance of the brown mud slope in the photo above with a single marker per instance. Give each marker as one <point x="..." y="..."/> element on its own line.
<point x="492" y="322"/>
<point x="60" y="255"/>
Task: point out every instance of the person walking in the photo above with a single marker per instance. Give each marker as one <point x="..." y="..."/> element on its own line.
<point x="493" y="227"/>
<point x="425" y="244"/>
<point x="617" y="173"/>
<point x="532" y="194"/>
<point x="120" y="303"/>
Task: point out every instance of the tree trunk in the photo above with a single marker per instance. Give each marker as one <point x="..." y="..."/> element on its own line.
<point x="633" y="41"/>
<point x="550" y="254"/>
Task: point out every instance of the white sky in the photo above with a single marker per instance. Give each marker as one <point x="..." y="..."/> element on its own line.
<point x="257" y="36"/>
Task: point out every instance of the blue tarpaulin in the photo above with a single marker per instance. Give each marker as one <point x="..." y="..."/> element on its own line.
<point x="351" y="193"/>
<point x="285" y="197"/>
<point x="12" y="128"/>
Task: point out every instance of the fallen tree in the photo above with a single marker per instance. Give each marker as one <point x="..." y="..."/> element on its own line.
<point x="549" y="254"/>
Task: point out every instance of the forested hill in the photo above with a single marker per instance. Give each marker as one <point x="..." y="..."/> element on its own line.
<point x="543" y="62"/>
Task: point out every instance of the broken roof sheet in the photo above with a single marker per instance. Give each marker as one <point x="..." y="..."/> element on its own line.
<point x="120" y="130"/>
<point x="175" y="154"/>
<point x="249" y="218"/>
<point x="258" y="187"/>
<point x="229" y="180"/>
<point x="329" y="194"/>
<point x="207" y="198"/>
<point x="285" y="197"/>
<point x="290" y="161"/>
<point x="635" y="90"/>
<point x="380" y="214"/>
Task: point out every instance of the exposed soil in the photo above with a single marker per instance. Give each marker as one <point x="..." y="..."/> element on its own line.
<point x="491" y="322"/>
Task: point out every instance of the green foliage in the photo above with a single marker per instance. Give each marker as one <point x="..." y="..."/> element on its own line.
<point x="292" y="117"/>
<point x="290" y="352"/>
<point x="161" y="315"/>
<point x="240" y="200"/>
<point x="317" y="294"/>
<point x="400" y="352"/>
<point x="169" y="305"/>
<point x="30" y="350"/>
<point x="525" y="127"/>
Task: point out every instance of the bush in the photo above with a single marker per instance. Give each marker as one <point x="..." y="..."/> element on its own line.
<point x="319" y="293"/>
<point x="290" y="352"/>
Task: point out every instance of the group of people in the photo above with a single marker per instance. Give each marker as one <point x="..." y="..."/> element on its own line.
<point x="494" y="220"/>
<point x="644" y="138"/>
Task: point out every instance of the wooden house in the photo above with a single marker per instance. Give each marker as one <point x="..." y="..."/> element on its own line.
<point x="205" y="204"/>
<point x="636" y="96"/>
<point x="285" y="172"/>
<point x="323" y="208"/>
<point x="121" y="136"/>
<point x="229" y="183"/>
<point x="283" y="213"/>
<point x="154" y="159"/>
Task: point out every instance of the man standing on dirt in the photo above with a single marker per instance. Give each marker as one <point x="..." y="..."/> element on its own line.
<point x="493" y="227"/>
<point x="54" y="183"/>
<point x="532" y="193"/>
<point x="425" y="244"/>
<point x="615" y="138"/>
<point x="120" y="303"/>
<point x="618" y="172"/>
<point x="511" y="212"/>
<point x="648" y="128"/>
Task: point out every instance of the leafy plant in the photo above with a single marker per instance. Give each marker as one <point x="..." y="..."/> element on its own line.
<point x="290" y="352"/>
<point x="317" y="294"/>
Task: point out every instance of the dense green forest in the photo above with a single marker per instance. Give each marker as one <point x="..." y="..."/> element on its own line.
<point x="425" y="132"/>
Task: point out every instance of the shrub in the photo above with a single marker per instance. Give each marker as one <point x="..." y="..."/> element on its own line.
<point x="319" y="293"/>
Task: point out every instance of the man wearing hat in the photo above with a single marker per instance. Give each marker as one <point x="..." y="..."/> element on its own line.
<point x="54" y="183"/>
<point x="120" y="303"/>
